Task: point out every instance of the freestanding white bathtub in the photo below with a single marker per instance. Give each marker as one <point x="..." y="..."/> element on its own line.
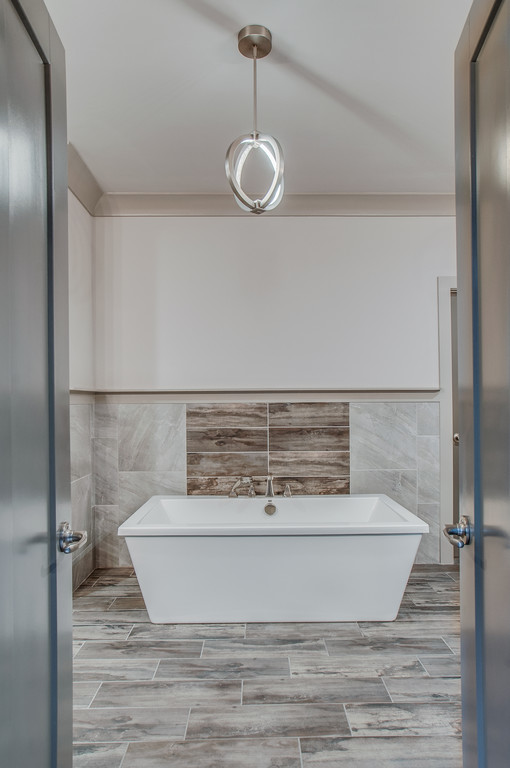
<point x="318" y="558"/>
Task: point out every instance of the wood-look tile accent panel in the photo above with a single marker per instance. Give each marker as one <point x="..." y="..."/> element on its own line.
<point x="311" y="463"/>
<point x="308" y="414"/>
<point x="305" y="445"/>
<point x="309" y="439"/>
<point x="223" y="440"/>
<point x="227" y="415"/>
<point x="220" y="486"/>
<point x="309" y="486"/>
<point x="221" y="464"/>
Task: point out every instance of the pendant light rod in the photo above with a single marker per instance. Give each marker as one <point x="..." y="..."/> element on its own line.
<point x="255" y="131"/>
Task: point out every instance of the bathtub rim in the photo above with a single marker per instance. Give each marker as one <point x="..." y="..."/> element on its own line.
<point x="409" y="523"/>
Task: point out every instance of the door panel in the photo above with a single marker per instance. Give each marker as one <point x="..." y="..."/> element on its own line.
<point x="27" y="253"/>
<point x="483" y="241"/>
<point x="492" y="101"/>
<point x="35" y="641"/>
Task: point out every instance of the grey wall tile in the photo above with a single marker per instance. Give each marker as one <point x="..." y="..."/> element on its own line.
<point x="80" y="437"/>
<point x="428" y="418"/>
<point x="106" y="471"/>
<point x="226" y="464"/>
<point x="106" y="526"/>
<point x="226" y="415"/>
<point x="309" y="463"/>
<point x="308" y="414"/>
<point x="309" y="439"/>
<point x="429" y="550"/>
<point x="383" y="435"/>
<point x="135" y="488"/>
<point x="399" y="486"/>
<point x="152" y="437"/>
<point x="428" y="469"/>
<point x="106" y="420"/>
<point x="221" y="440"/>
<point x="83" y="565"/>
<point x="81" y="505"/>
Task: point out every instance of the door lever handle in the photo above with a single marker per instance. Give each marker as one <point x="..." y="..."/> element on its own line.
<point x="459" y="534"/>
<point x="68" y="540"/>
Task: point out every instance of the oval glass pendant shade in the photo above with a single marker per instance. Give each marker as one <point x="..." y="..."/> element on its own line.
<point x="257" y="155"/>
<point x="243" y="149"/>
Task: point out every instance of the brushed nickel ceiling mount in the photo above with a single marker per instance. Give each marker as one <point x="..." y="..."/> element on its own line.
<point x="255" y="42"/>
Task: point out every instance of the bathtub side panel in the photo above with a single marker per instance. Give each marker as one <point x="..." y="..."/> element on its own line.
<point x="195" y="579"/>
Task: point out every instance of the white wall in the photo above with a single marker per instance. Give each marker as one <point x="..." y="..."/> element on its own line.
<point x="81" y="292"/>
<point x="240" y="303"/>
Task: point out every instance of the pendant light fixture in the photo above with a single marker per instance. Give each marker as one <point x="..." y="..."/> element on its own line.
<point x="255" y="149"/>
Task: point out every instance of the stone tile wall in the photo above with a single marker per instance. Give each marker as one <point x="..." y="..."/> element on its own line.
<point x="124" y="453"/>
<point x="395" y="450"/>
<point x="82" y="487"/>
<point x="304" y="445"/>
<point x="139" y="451"/>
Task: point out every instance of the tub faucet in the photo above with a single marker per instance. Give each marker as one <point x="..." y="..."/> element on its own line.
<point x="242" y="481"/>
<point x="269" y="487"/>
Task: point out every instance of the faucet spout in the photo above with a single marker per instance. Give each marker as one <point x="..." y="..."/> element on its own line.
<point x="269" y="487"/>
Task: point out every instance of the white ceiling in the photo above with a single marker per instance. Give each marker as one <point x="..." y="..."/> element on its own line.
<point x="358" y="92"/>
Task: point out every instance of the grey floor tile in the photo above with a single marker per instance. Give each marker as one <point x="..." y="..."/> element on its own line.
<point x="98" y="755"/>
<point x="430" y="628"/>
<point x="127" y="603"/>
<point x="215" y="753"/>
<point x="102" y="631"/>
<point x="355" y="666"/>
<point x="382" y="752"/>
<point x="113" y="669"/>
<point x="438" y="719"/>
<point x="186" y="631"/>
<point x="129" y="588"/>
<point x="169" y="693"/>
<point x="223" y="669"/>
<point x="147" y="724"/>
<point x="453" y="641"/>
<point x="308" y="631"/>
<point x="442" y="666"/>
<point x="310" y="690"/>
<point x="112" y="617"/>
<point x="140" y="649"/>
<point x="381" y="645"/>
<point x="84" y="692"/>
<point x="260" y="647"/>
<point x="423" y="688"/>
<point x="90" y="603"/>
<point x="269" y="720"/>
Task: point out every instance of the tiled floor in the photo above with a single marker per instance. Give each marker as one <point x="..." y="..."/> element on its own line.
<point x="266" y="695"/>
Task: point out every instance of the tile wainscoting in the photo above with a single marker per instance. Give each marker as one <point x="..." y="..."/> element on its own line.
<point x="82" y="486"/>
<point x="125" y="452"/>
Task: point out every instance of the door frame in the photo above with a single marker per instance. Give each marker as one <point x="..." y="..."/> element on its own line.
<point x="35" y="17"/>
<point x="478" y="24"/>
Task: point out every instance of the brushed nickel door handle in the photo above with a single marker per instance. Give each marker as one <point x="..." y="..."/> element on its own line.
<point x="459" y="534"/>
<point x="68" y="540"/>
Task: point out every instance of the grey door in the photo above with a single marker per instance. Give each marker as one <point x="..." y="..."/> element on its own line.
<point x="35" y="642"/>
<point x="483" y="195"/>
